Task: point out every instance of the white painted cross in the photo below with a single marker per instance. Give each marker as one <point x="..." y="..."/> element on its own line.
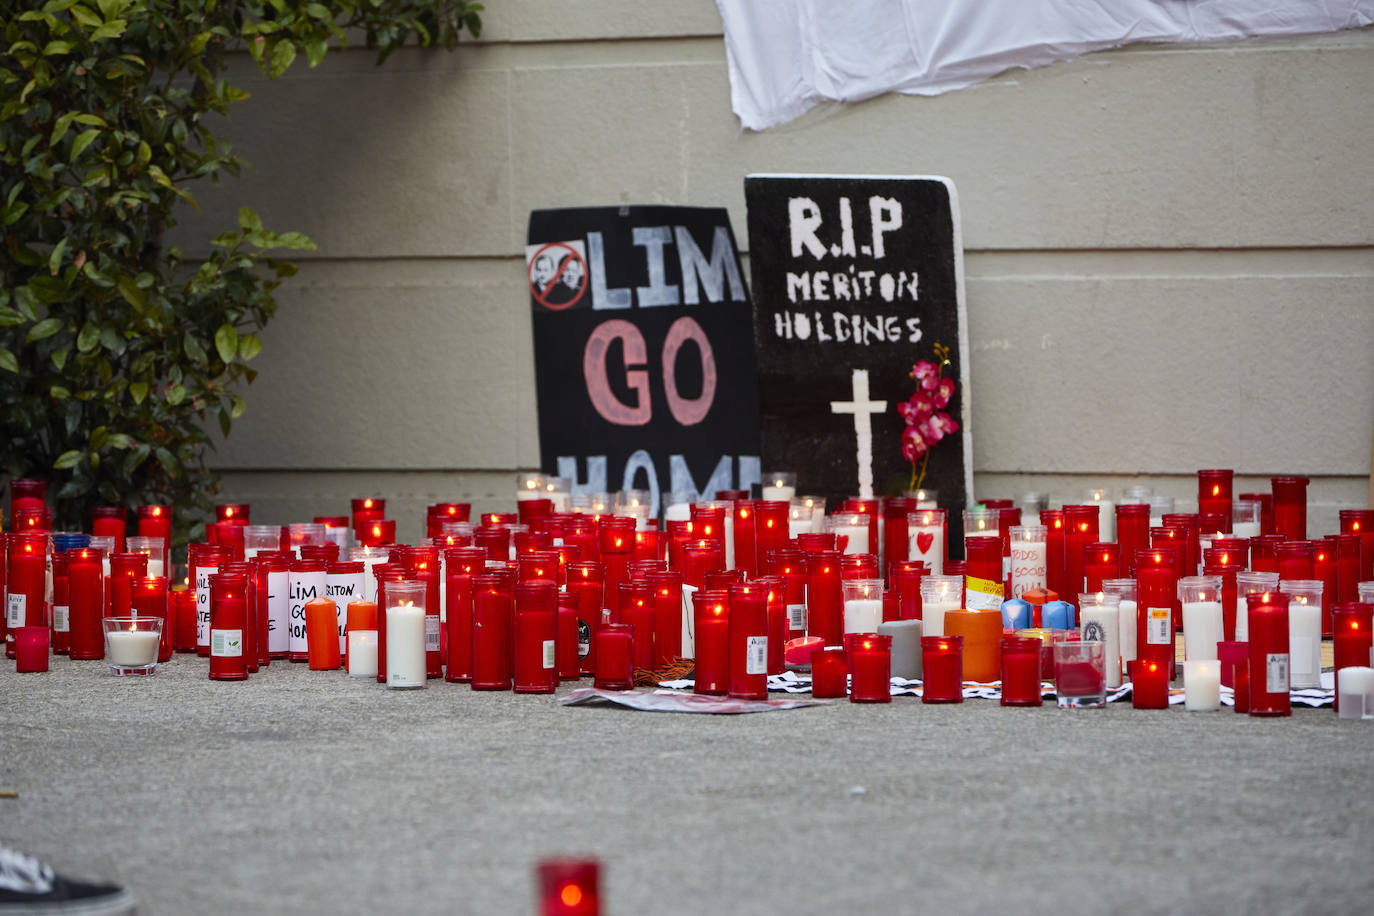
<point x="862" y="409"/>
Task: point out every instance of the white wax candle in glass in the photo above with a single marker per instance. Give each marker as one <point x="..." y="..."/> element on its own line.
<point x="1029" y="553"/>
<point x="1125" y="591"/>
<point x="1304" y="631"/>
<point x="1202" y="627"/>
<point x="677" y="507"/>
<point x="798" y="519"/>
<point x="362" y="653"/>
<point x="405" y="634"/>
<point x="925" y="537"/>
<point x="817" y="506"/>
<point x="779" y="485"/>
<point x="938" y="595"/>
<point x="1201" y="684"/>
<point x="1245" y="518"/>
<point x="1106" y="520"/>
<point x="925" y="498"/>
<point x="851" y="531"/>
<point x="529" y="486"/>
<point x="1100" y="621"/>
<point x="1355" y="687"/>
<point x="151" y="547"/>
<point x="863" y="605"/>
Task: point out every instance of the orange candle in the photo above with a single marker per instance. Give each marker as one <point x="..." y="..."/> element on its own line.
<point x="982" y="632"/>
<point x="322" y="634"/>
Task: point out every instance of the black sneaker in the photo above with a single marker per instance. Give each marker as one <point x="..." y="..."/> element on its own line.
<point x="27" y="886"/>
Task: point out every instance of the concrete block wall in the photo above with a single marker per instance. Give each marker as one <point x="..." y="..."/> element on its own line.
<point x="1169" y="251"/>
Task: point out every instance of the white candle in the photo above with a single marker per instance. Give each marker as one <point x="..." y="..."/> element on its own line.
<point x="927" y="544"/>
<point x="1245" y="529"/>
<point x="938" y="595"/>
<point x="405" y="646"/>
<point x="132" y="647"/>
<point x="862" y="615"/>
<point x="1355" y="688"/>
<point x="1305" y="643"/>
<point x="1201" y="684"/>
<point x="1102" y="622"/>
<point x="155" y="565"/>
<point x="1201" y="629"/>
<point x="906" y="646"/>
<point x="779" y="493"/>
<point x="1106" y="517"/>
<point x="1126" y="629"/>
<point x="729" y="526"/>
<point x="858" y="537"/>
<point x="678" y="512"/>
<point x="798" y="522"/>
<point x="1029" y="565"/>
<point x="362" y="653"/>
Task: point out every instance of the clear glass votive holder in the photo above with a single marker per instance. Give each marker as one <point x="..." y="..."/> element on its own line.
<point x="1080" y="673"/>
<point x="131" y="644"/>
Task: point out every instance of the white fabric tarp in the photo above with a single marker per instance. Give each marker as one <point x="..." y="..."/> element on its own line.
<point x="786" y="56"/>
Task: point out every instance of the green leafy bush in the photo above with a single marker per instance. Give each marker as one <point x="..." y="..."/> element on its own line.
<point x="114" y="352"/>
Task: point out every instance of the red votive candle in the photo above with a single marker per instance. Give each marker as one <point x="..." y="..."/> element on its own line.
<point x="637" y="608"/>
<point x="536" y="636"/>
<point x="123" y="568"/>
<point x="377" y="532"/>
<point x="110" y="522"/>
<point x="569" y="663"/>
<point x="747" y="631"/>
<point x="1269" y="657"/>
<point x="1156" y="593"/>
<point x="584" y="582"/>
<point x="1150" y="684"/>
<point x="770" y="525"/>
<point x="1290" y="517"/>
<point x="156" y="521"/>
<point x="1295" y="560"/>
<point x="1264" y="553"/>
<point x="1132" y="533"/>
<point x="61" y="603"/>
<point x="829" y="672"/>
<point x="1053" y="520"/>
<point x="26" y="585"/>
<point x="491" y="637"/>
<point x="710" y="611"/>
<point x="1326" y="569"/>
<point x="149" y="599"/>
<point x="1353" y="622"/>
<point x="1101" y="560"/>
<point x="616" y="536"/>
<point x="31" y="650"/>
<point x="747" y="556"/>
<point x="1214" y="491"/>
<point x="1080" y="529"/>
<point x="237" y="513"/>
<point x="870" y="664"/>
<point x="775" y="608"/>
<point x="364" y="511"/>
<point x="614" y="657"/>
<point x="896" y="546"/>
<point x="1361" y="522"/>
<point x="666" y="588"/>
<point x="942" y="661"/>
<point x="460" y="565"/>
<point x="825" y="597"/>
<point x="229" y="627"/>
<point x="907" y="585"/>
<point x="1192" y="532"/>
<point x="569" y="887"/>
<point x="1021" y="671"/>
<point x="183" y="601"/>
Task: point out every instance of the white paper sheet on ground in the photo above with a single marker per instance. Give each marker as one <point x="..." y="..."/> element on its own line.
<point x="785" y="56"/>
<point x="674" y="701"/>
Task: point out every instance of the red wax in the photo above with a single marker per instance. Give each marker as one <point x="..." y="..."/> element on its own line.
<point x="638" y="608"/>
<point x="1078" y="679"/>
<point x="813" y="541"/>
<point x="1156" y="595"/>
<point x="491" y="637"/>
<point x="776" y="609"/>
<point x="250" y="637"/>
<point x="1053" y="520"/>
<point x="1290" y="512"/>
<point x="569" y="887"/>
<point x="1264" y="553"/>
<point x="747" y="630"/>
<point x="376" y="532"/>
<point x="1150" y="684"/>
<point x="1361" y="522"/>
<point x="747" y="556"/>
<point x="27" y="493"/>
<point x="825" y="597"/>
<point x="1216" y="563"/>
<point x="229" y="627"/>
<point x="584" y="582"/>
<point x="770" y="526"/>
<point x="1229" y="654"/>
<point x="150" y="600"/>
<point x="942" y="659"/>
<point x="1353" y="622"/>
<point x="1037" y="598"/>
<point x="1241" y="685"/>
<point x="896" y="510"/>
<point x="184" y="619"/>
<point x="870" y="666"/>
<point x="614" y="657"/>
<point x="569" y="664"/>
<point x="1296" y="560"/>
<point x="1080" y="529"/>
<point x="1324" y="569"/>
<point x="536" y="636"/>
<point x="1021" y="671"/>
<point x="123" y="568"/>
<point x="30" y="649"/>
<point x="1100" y="561"/>
<point x="646" y="544"/>
<point x="829" y="672"/>
<point x="156" y="522"/>
<point x="907" y="585"/>
<point x="495" y="541"/>
<point x="708" y="523"/>
<point x="61" y="603"/>
<point x="666" y="588"/>
<point x="1214" y="491"/>
<point x="26" y="584"/>
<point x="712" y="636"/>
<point x="797" y="652"/>
<point x="110" y="522"/>
<point x="1191" y="534"/>
<point x="1347" y="553"/>
<point x="203" y="561"/>
<point x="1269" y="656"/>
<point x="460" y="564"/>
<point x="616" y="536"/>
<point x="858" y="566"/>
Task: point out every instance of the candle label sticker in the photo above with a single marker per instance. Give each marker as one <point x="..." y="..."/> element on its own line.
<point x="689" y="642"/>
<point x="278" y="633"/>
<point x="1276" y="672"/>
<point x="1158" y="623"/>
<point x="226" y="643"/>
<point x="756" y="655"/>
<point x="584" y="638"/>
<point x="1093" y="631"/>
<point x="14" y="613"/>
<point x="203" y="574"/>
<point x="983" y="594"/>
<point x="549" y="653"/>
<point x="796" y="617"/>
<point x="431" y="632"/>
<point x="61" y="618"/>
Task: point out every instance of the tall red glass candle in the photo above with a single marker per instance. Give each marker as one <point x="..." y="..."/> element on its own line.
<point x="1021" y="671"/>
<point x="770" y="525"/>
<point x="1214" y="491"/>
<point x="790" y="565"/>
<point x="666" y="587"/>
<point x="123" y="568"/>
<point x="825" y="597"/>
<point x="203" y="561"/>
<point x="1150" y="683"/>
<point x="110" y="522"/>
<point x="983" y="587"/>
<point x="1216" y="562"/>
<point x="1264" y="553"/>
<point x="26" y="584"/>
<point x="460" y="565"/>
<point x="907" y="584"/>
<point x="1361" y="522"/>
<point x="569" y="662"/>
<point x="228" y="627"/>
<point x="1191" y="525"/>
<point x="183" y="600"/>
<point x="149" y="599"/>
<point x="491" y="636"/>
<point x="250" y="635"/>
<point x="1269" y="658"/>
<point x="86" y="602"/>
<point x="895" y="532"/>
<point x="536" y="636"/>
<point x="747" y="630"/>
<point x="1295" y="559"/>
<point x="1325" y="570"/>
<point x="614" y="657"/>
<point x="1266" y="503"/>
<point x="637" y="608"/>
<point x="1156" y="594"/>
<point x="1053" y="520"/>
<point x="712" y="636"/>
<point x="616" y="548"/>
<point x="1101" y="560"/>
<point x="1346" y="550"/>
<point x="1080" y="529"/>
<point x="1290" y="516"/>
<point x="870" y="667"/>
<point x="775" y="608"/>
<point x="747" y="556"/>
<point x="942" y="664"/>
<point x="584" y="582"/>
<point x="27" y="494"/>
<point x="61" y="604"/>
<point x="569" y="887"/>
<point x="156" y="521"/>
<point x="708" y="522"/>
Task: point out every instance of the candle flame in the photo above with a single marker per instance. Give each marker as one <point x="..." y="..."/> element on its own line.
<point x="571" y="895"/>
<point x="868" y="644"/>
<point x="743" y="513"/>
<point x="1354" y="624"/>
<point x="367" y="504"/>
<point x="718" y="609"/>
<point x="1216" y="489"/>
<point x="769" y="523"/>
<point x="1154" y="667"/>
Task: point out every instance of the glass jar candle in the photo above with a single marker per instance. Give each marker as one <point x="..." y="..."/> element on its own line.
<point x="926" y="538"/>
<point x="790" y="565"/>
<point x="1214" y="491"/>
<point x="779" y="485"/>
<point x="119" y="590"/>
<point x="1295" y="559"/>
<point x="829" y="673"/>
<point x="1101" y="561"/>
<point x="1080" y="674"/>
<point x="1246" y="518"/>
<point x="1028" y="559"/>
<point x="711" y="626"/>
<point x="824" y="597"/>
<point x="1361" y="522"/>
<point x="1080" y="529"/>
<point x="228" y="627"/>
<point x="1106" y="509"/>
<point x="870" y="667"/>
<point x="666" y="589"/>
<point x="1150" y="684"/>
<point x="863" y="605"/>
<point x="942" y="664"/>
<point x="1346" y="548"/>
<point x="1125" y="591"/>
<point x="26" y="584"/>
<point x="1290" y="507"/>
<point x="907" y="585"/>
<point x="536" y="636"/>
<point x="585" y="583"/>
<point x="1100" y="621"/>
<point x="850" y="530"/>
<point x="747" y="631"/>
<point x="939" y="595"/>
<point x="897" y="510"/>
<point x="1020" y="665"/>
<point x="1269" y="658"/>
<point x="149" y="599"/>
<point x="110" y="521"/>
<point x="1202" y="618"/>
<point x="1053" y="520"/>
<point x="1157" y="591"/>
<point x="85" y="601"/>
<point x="1247" y="584"/>
<point x="983" y="580"/>
<point x="743" y="525"/>
<point x="491" y="632"/>
<point x="1304" y="631"/>
<point x="1353" y="624"/>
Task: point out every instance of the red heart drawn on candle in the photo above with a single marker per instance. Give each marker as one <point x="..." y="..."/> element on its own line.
<point x="841" y="542"/>
<point x="923" y="541"/>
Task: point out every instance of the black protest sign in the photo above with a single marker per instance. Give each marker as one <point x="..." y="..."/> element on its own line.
<point x="643" y="350"/>
<point x="855" y="281"/>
